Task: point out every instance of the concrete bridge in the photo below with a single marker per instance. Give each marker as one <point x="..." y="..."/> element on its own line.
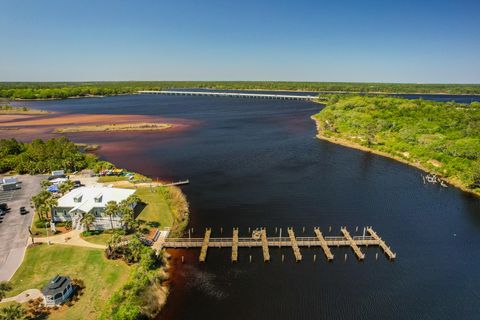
<point x="231" y="94"/>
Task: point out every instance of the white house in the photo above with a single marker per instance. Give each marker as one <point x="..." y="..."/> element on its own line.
<point x="73" y="205"/>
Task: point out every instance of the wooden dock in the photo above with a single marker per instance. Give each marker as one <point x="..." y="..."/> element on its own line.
<point x="235" y="245"/>
<point x="178" y="183"/>
<point x="266" y="253"/>
<point x="206" y="241"/>
<point x="294" y="244"/>
<point x="323" y="244"/>
<point x="259" y="239"/>
<point x="352" y="243"/>
<point x="382" y="244"/>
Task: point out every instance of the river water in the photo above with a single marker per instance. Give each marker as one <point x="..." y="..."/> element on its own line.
<point x="255" y="163"/>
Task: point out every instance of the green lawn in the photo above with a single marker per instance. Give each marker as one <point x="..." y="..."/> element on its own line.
<point x="157" y="208"/>
<point x="102" y="277"/>
<point x="107" y="179"/>
<point x="101" y="238"/>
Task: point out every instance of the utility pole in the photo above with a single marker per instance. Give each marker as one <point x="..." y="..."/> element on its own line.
<point x="31" y="235"/>
<point x="46" y="229"/>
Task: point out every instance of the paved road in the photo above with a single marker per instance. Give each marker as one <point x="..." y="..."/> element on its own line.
<point x="14" y="228"/>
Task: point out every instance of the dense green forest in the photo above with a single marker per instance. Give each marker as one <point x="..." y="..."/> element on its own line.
<point x="41" y="156"/>
<point x="443" y="138"/>
<point x="60" y="90"/>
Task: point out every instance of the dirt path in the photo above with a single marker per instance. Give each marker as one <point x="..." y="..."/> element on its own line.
<point x="71" y="238"/>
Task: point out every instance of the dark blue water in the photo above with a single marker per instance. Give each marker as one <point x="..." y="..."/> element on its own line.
<point x="256" y="163"/>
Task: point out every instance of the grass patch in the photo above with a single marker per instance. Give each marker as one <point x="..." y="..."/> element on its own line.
<point x="98" y="238"/>
<point x="136" y="178"/>
<point x="107" y="179"/>
<point x="20" y="110"/>
<point x="143" y="126"/>
<point x="165" y="206"/>
<point x="101" y="236"/>
<point x="102" y="277"/>
<point x="156" y="209"/>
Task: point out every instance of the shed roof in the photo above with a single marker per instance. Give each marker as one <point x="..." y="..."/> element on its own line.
<point x="56" y="285"/>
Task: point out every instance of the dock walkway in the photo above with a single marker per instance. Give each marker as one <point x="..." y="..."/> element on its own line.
<point x="294" y="244"/>
<point x="266" y="253"/>
<point x="264" y="242"/>
<point x="235" y="245"/>
<point x="206" y="240"/>
<point x="323" y="244"/>
<point x="352" y="243"/>
<point x="382" y="244"/>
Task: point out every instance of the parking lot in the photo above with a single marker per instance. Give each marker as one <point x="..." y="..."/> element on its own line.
<point x="14" y="227"/>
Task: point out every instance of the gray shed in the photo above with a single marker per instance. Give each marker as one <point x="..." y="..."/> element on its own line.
<point x="57" y="291"/>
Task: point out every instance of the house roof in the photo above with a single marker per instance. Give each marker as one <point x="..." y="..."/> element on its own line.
<point x="56" y="285"/>
<point x="87" y="196"/>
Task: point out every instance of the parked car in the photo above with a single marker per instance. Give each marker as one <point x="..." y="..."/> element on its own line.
<point x="4" y="207"/>
<point x="23" y="210"/>
<point x="62" y="176"/>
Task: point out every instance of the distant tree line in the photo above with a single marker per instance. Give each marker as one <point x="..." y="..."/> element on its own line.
<point x="61" y="90"/>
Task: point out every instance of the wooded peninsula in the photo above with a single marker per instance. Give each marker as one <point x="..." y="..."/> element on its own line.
<point x="441" y="138"/>
<point x="62" y="90"/>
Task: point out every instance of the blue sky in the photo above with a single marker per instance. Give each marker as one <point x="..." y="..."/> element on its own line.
<point x="378" y="41"/>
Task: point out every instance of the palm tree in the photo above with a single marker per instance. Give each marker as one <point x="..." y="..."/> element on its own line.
<point x="51" y="203"/>
<point x="111" y="209"/>
<point x="135" y="250"/>
<point x="65" y="187"/>
<point x="45" y="184"/>
<point x="12" y="312"/>
<point x="42" y="211"/>
<point x="132" y="200"/>
<point x="112" y="245"/>
<point x="5" y="286"/>
<point x="126" y="212"/>
<point x="87" y="220"/>
<point x="39" y="201"/>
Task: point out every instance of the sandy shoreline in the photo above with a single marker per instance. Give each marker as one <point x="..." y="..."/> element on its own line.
<point x="26" y="127"/>
<point x="354" y="145"/>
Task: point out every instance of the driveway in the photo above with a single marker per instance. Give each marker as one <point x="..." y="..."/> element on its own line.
<point x="14" y="228"/>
